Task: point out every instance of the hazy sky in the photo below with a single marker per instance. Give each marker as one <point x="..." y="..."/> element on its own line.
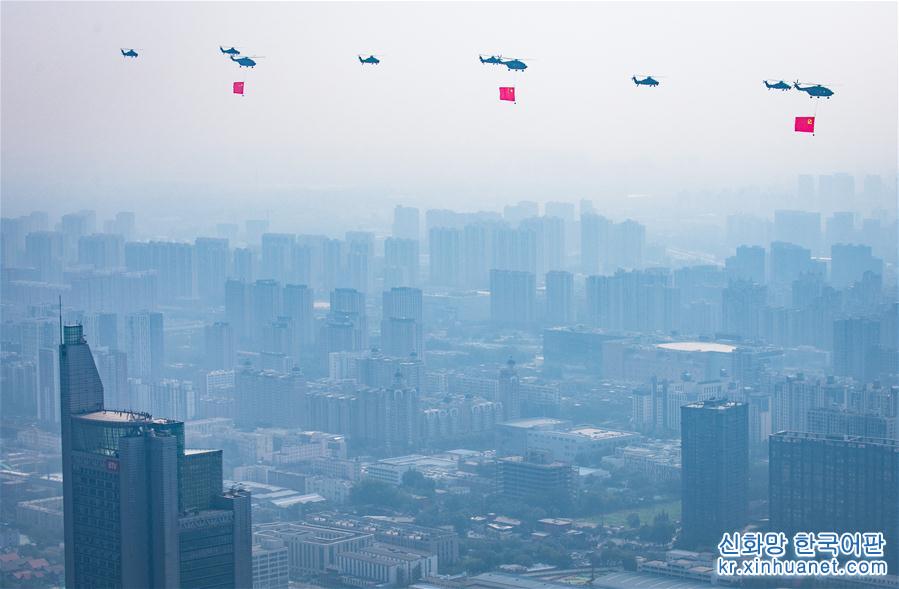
<point x="84" y="126"/>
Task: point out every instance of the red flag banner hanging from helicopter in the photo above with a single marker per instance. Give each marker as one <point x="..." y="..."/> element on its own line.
<point x="805" y="125"/>
<point x="507" y="93"/>
<point x="238" y="88"/>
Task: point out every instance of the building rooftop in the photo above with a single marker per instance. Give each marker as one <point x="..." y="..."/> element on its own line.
<point x="715" y="404"/>
<point x="629" y="580"/>
<point x="698" y="347"/>
<point x="114" y="416"/>
<point x="595" y="433"/>
<point x="534" y="422"/>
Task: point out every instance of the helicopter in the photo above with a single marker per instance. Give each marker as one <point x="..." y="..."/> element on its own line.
<point x="129" y="52"/>
<point x="244" y="61"/>
<point x="815" y="90"/>
<point x="493" y="59"/>
<point x="781" y="85"/>
<point x="231" y="51"/>
<point x="370" y="59"/>
<point x="513" y="64"/>
<point x="647" y="81"/>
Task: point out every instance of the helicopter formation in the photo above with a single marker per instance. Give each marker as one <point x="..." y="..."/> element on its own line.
<point x="518" y="64"/>
<point x="237" y="57"/>
<point x="803" y="124"/>
<point x="813" y="90"/>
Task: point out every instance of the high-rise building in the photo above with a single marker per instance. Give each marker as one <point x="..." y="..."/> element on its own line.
<point x="748" y="264"/>
<point x="715" y="475"/>
<point x="525" y="209"/>
<point x="401" y="323"/>
<point x="101" y="251"/>
<point x="113" y="368"/>
<point x="477" y="255"/>
<point x="513" y="249"/>
<point x="139" y="509"/>
<point x="173" y="263"/>
<point x="560" y="298"/>
<point x="73" y="226"/>
<point x="406" y="223"/>
<point x="840" y="228"/>
<point x="742" y="304"/>
<point x="634" y="300"/>
<point x="848" y="263"/>
<point x="239" y="308"/>
<point x="220" y="346"/>
<point x="512" y="297"/>
<point x="212" y="268"/>
<point x="145" y="344"/>
<point x="48" y="386"/>
<point x="244" y="265"/>
<point x="266" y="307"/>
<point x="508" y="391"/>
<point x="445" y="255"/>
<point x="794" y="398"/>
<point x="277" y="256"/>
<point x="841" y="483"/>
<point x="856" y="348"/>
<point x="789" y="261"/>
<point x="360" y="251"/>
<point x="800" y="227"/>
<point x="298" y="306"/>
<point x="122" y="224"/>
<point x="400" y="262"/>
<point x="43" y="250"/>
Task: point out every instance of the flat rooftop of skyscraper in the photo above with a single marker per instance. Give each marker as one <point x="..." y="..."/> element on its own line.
<point x="718" y="404"/>
<point x="838" y="438"/>
<point x="698" y="347"/>
<point x="112" y="416"/>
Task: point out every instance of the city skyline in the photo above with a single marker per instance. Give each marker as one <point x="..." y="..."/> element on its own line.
<point x="368" y="323"/>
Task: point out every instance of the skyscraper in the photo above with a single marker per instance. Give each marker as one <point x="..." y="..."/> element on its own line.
<point x="856" y="342"/>
<point x="220" y="346"/>
<point x="144" y="344"/>
<point x="406" y="222"/>
<point x="139" y="510"/>
<point x="212" y="268"/>
<point x="445" y="249"/>
<point x="820" y="482"/>
<point x="747" y="264"/>
<point x="277" y="256"/>
<point x="559" y="298"/>
<point x="401" y="323"/>
<point x="400" y="262"/>
<point x="849" y="262"/>
<point x="298" y="300"/>
<point x="512" y="297"/>
<point x="715" y="463"/>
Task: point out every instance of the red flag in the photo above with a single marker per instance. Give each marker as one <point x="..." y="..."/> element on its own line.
<point x="238" y="88"/>
<point x="507" y="93"/>
<point x="805" y="125"/>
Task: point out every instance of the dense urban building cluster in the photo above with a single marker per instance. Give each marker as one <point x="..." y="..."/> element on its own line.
<point x="462" y="399"/>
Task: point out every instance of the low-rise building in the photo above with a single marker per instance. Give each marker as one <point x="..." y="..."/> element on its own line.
<point x="270" y="563"/>
<point x="385" y="564"/>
